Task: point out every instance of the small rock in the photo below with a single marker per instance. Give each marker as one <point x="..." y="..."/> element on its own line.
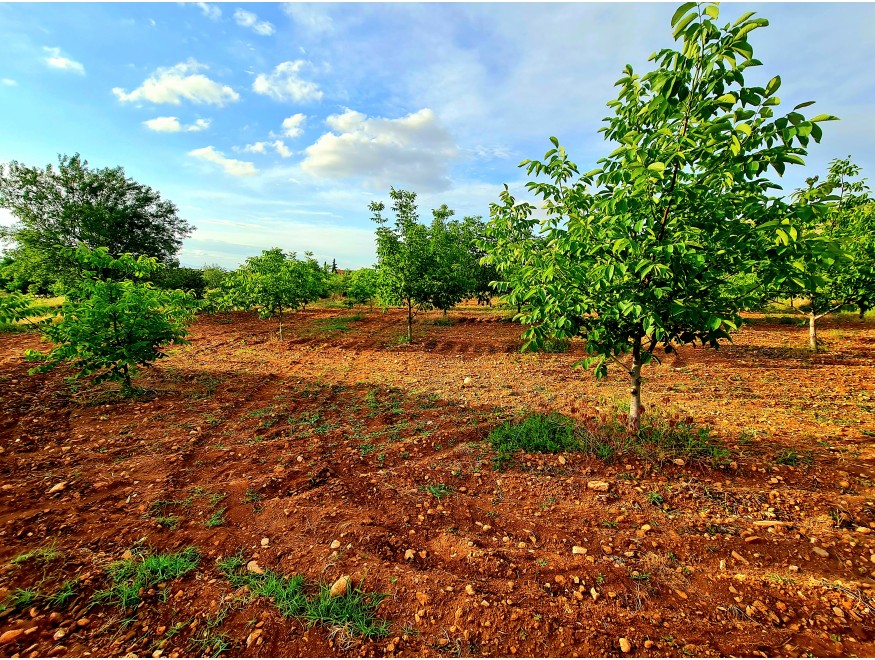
<point x="738" y="557"/>
<point x="83" y="622"/>
<point x="752" y="539"/>
<point x="469" y="589"/>
<point x="409" y="554"/>
<point x="127" y="554"/>
<point x="423" y="598"/>
<point x="11" y="635"/>
<point x="679" y="461"/>
<point x="578" y="550"/>
<point x="600" y="486"/>
<point x="254" y="635"/>
<point x="562" y="460"/>
<point x="340" y="587"/>
<point x="467" y="381"/>
<point x="625" y="645"/>
<point x="820" y="552"/>
<point x="265" y="542"/>
<point x="60" y="633"/>
<point x="335" y="544"/>
<point x="648" y="644"/>
<point x="863" y="530"/>
<point x="253" y="567"/>
<point x="57" y="488"/>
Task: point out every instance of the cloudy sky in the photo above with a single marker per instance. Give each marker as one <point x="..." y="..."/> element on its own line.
<point x="276" y="124"/>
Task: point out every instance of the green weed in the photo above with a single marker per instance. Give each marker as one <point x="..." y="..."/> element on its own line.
<point x="129" y="576"/>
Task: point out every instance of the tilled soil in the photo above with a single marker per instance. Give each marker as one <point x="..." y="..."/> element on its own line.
<point x="337" y="432"/>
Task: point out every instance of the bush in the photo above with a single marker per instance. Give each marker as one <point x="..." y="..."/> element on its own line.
<point x="112" y="323"/>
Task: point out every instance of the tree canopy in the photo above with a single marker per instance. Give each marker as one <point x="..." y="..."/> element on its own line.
<point x="635" y="254"/>
<point x="73" y="204"/>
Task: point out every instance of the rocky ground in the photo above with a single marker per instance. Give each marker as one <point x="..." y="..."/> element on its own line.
<point x="341" y="451"/>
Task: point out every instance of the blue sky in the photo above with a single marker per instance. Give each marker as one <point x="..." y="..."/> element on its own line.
<point x="276" y="124"/>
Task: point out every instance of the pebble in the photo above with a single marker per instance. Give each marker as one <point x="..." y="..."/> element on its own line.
<point x="469" y="589"/>
<point x="752" y="539"/>
<point x="409" y="554"/>
<point x="340" y="587"/>
<point x="11" y="635"/>
<point x="738" y="557"/>
<point x="253" y="567"/>
<point x="265" y="542"/>
<point x="578" y="550"/>
<point x="600" y="486"/>
<point x="335" y="544"/>
<point x="820" y="552"/>
<point x="648" y="644"/>
<point x="57" y="488"/>
<point x="625" y="645"/>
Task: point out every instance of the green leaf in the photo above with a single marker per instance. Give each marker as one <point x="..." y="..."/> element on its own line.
<point x="680" y="11"/>
<point x="656" y="167"/>
<point x="773" y="85"/>
<point x="824" y="118"/>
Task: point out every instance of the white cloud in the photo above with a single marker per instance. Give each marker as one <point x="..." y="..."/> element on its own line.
<point x="58" y="61"/>
<point x="415" y="149"/>
<point x="9" y="82"/>
<point x="210" y="11"/>
<point x="230" y="165"/>
<point x="172" y="125"/>
<point x="284" y="84"/>
<point x="181" y="81"/>
<point x="310" y="16"/>
<point x="248" y="19"/>
<point x="294" y="126"/>
<point x="282" y="149"/>
<point x="261" y="148"/>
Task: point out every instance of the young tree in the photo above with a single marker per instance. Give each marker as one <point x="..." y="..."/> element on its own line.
<point x="451" y="275"/>
<point x="361" y="286"/>
<point x="832" y="261"/>
<point x="113" y="322"/>
<point x="405" y="263"/>
<point x="276" y="281"/>
<point x="74" y="205"/>
<point x="635" y="252"/>
<point x="214" y="275"/>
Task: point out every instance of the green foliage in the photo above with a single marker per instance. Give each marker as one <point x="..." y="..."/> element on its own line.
<point x="354" y="611"/>
<point x="113" y="323"/>
<point x="404" y="256"/>
<point x="74" y="204"/>
<point x="658" y="439"/>
<point x="828" y="256"/>
<point x="214" y="275"/>
<point x="439" y="491"/>
<point x="276" y="281"/>
<point x="361" y="286"/>
<point x="130" y="577"/>
<point x="65" y="593"/>
<point x="44" y="555"/>
<point x="178" y="277"/>
<point x="635" y="253"/>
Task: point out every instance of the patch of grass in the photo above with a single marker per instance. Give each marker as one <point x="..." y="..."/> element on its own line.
<point x="367" y="448"/>
<point x="251" y="496"/>
<point x="437" y="490"/>
<point x="129" y="576"/>
<point x="793" y="458"/>
<point x="338" y="323"/>
<point x="170" y="522"/>
<point x="539" y="433"/>
<point x="44" y="555"/>
<point x="22" y="598"/>
<point x="211" y="641"/>
<point x="655" y="498"/>
<point x="354" y="612"/>
<point x="65" y="593"/>
<point x="217" y="519"/>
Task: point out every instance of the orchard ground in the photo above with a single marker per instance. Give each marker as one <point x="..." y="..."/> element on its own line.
<point x="344" y="451"/>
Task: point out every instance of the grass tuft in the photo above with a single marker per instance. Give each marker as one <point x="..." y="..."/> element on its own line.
<point x="130" y="577"/>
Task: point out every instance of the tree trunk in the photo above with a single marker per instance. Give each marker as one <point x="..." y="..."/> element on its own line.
<point x="862" y="312"/>
<point x="281" y="325"/>
<point x="812" y="330"/>
<point x="409" y="320"/>
<point x="635" y="392"/>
